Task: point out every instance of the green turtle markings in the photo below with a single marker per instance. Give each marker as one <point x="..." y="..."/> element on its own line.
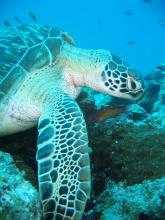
<point x="41" y="75"/>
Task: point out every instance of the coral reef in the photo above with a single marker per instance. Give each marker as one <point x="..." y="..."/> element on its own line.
<point x="122" y="202"/>
<point x="18" y="198"/>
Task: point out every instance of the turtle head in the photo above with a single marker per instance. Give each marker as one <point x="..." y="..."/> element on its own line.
<point x="103" y="72"/>
<point x="120" y="80"/>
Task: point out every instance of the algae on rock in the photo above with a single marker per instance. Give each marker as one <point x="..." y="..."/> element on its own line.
<point x="18" y="198"/>
<point x="123" y="202"/>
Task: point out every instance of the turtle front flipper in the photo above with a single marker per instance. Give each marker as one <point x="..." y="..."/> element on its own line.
<point x="63" y="160"/>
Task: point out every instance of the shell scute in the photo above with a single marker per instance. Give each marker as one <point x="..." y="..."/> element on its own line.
<point x="54" y="32"/>
<point x="35" y="58"/>
<point x="26" y="46"/>
<point x="33" y="34"/>
<point x="13" y="80"/>
<point x="9" y="50"/>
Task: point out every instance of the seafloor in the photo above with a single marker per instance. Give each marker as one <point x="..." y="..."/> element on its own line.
<point x="127" y="152"/>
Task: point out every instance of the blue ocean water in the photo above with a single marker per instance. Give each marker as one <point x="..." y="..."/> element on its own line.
<point x="133" y="29"/>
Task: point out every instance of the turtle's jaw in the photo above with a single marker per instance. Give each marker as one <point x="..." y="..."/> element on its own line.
<point x="137" y="95"/>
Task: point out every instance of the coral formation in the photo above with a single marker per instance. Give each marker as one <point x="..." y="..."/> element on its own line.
<point x="123" y="202"/>
<point x="17" y="196"/>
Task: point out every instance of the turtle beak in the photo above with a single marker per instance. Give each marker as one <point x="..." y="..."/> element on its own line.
<point x="137" y="95"/>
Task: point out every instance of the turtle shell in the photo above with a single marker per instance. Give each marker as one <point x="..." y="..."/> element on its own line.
<point x="25" y="48"/>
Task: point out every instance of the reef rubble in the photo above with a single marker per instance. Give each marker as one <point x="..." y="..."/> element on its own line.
<point x="18" y="198"/>
<point x="122" y="202"/>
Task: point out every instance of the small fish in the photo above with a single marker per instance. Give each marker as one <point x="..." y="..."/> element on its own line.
<point x="105" y="113"/>
<point x="128" y="12"/>
<point x="131" y="42"/>
<point x="99" y="21"/>
<point x="161" y="22"/>
<point x="147" y="1"/>
<point x="17" y="19"/>
<point x="32" y="16"/>
<point x="68" y="38"/>
<point x="7" y="23"/>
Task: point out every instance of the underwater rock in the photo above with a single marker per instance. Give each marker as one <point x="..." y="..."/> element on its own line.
<point x="160" y="103"/>
<point x="155" y="89"/>
<point x="151" y="95"/>
<point x="18" y="198"/>
<point x="136" y="112"/>
<point x="130" y="149"/>
<point x="122" y="202"/>
<point x="22" y="147"/>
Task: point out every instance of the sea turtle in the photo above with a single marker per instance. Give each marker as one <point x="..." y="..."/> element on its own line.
<point x="41" y="74"/>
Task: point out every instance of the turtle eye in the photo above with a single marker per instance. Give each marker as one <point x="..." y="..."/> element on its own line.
<point x="131" y="84"/>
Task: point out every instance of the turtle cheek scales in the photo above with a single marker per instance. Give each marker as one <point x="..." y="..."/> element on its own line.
<point x="115" y="76"/>
<point x="112" y="89"/>
<point x="106" y="84"/>
<point x="63" y="161"/>
<point x="112" y="65"/>
<point x="103" y="75"/>
<point x="111" y="75"/>
<point x="123" y="90"/>
<point x="123" y="79"/>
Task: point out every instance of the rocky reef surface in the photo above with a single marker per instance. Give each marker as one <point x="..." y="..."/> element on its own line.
<point x="122" y="202"/>
<point x="127" y="142"/>
<point x="18" y="198"/>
